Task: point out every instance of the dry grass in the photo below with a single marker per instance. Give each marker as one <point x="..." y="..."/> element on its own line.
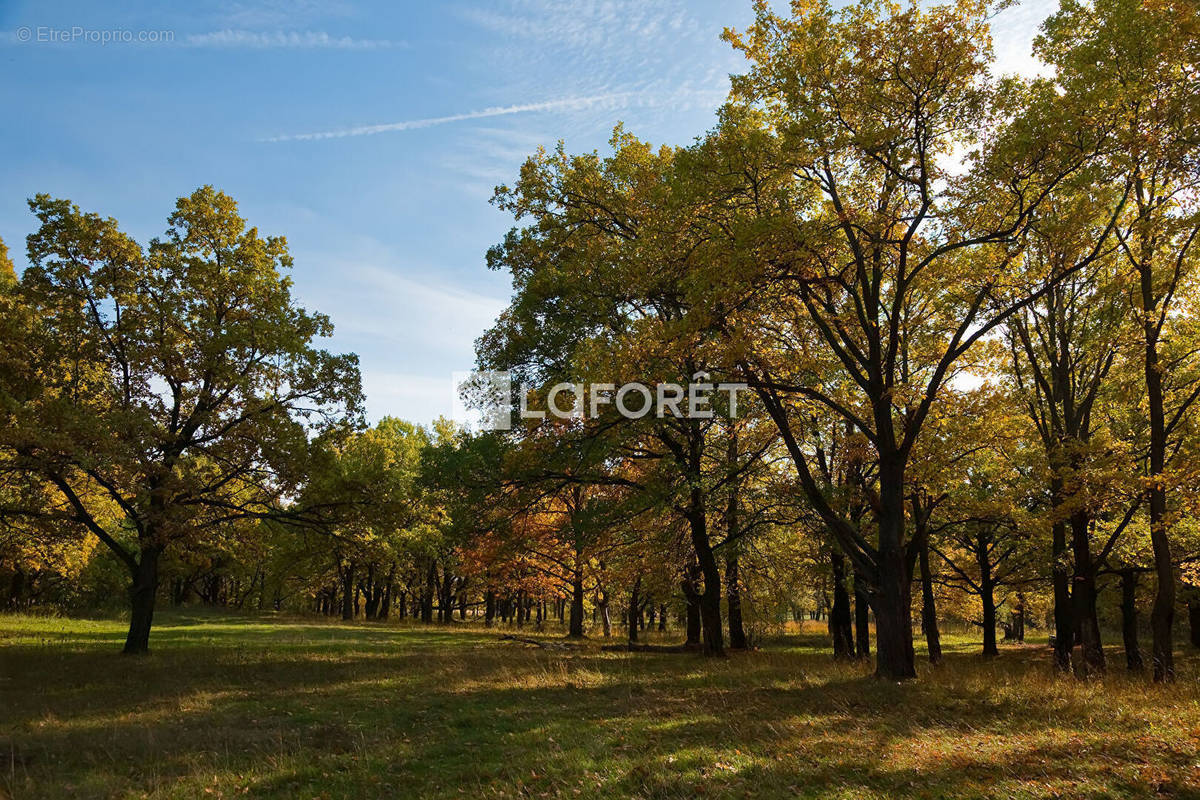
<point x="233" y="707"/>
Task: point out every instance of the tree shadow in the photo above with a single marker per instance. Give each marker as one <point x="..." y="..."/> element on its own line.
<point x="297" y="710"/>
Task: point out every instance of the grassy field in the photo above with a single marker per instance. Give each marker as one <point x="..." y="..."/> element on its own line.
<point x="245" y="707"/>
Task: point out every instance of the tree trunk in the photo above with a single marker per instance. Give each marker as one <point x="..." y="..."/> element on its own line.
<point x="1193" y="607"/>
<point x="1083" y="597"/>
<point x="862" y="629"/>
<point x="713" y="640"/>
<point x="430" y="590"/>
<point x="575" y="626"/>
<point x="1194" y="621"/>
<point x="987" y="596"/>
<point x="446" y="597"/>
<point x="840" y="622"/>
<point x="892" y="599"/>
<point x="605" y="617"/>
<point x="929" y="624"/>
<point x="1162" y="615"/>
<point x="348" y="591"/>
<point x="634" y="604"/>
<point x="1129" y="621"/>
<point x="371" y="591"/>
<point x="389" y="589"/>
<point x="142" y="591"/>
<point x="662" y="617"/>
<point x="489" y="608"/>
<point x="987" y="589"/>
<point x="733" y="599"/>
<point x="692" y="611"/>
<point x="733" y="592"/>
<point x="1064" y="628"/>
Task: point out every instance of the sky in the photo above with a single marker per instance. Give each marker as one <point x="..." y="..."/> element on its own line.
<point x="371" y="135"/>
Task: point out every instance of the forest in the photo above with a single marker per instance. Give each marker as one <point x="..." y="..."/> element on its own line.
<point x="958" y="485"/>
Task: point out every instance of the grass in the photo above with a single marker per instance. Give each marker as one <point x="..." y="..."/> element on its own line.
<point x="255" y="707"/>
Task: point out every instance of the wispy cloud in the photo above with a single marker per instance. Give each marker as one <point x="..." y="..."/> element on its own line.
<point x="1013" y="31"/>
<point x="565" y="104"/>
<point x="669" y="50"/>
<point x="284" y="39"/>
<point x="268" y="14"/>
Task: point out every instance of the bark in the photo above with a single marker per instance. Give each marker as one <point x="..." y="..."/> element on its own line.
<point x="987" y="596"/>
<point x="1064" y="629"/>
<point x="929" y="625"/>
<point x="692" y="595"/>
<point x="430" y="590"/>
<point x="142" y="592"/>
<point x="840" y="623"/>
<point x="634" y="604"/>
<point x="446" y="597"/>
<point x="862" y="628"/>
<point x="389" y="590"/>
<point x="892" y="599"/>
<point x="1129" y="621"/>
<point x="662" y="618"/>
<point x="713" y="639"/>
<point x="1162" y="615"/>
<point x="348" y="591"/>
<point x="733" y="600"/>
<point x="733" y="592"/>
<point x="489" y="608"/>
<point x="372" y="592"/>
<point x="605" y="617"/>
<point x="575" y="628"/>
<point x="987" y="591"/>
<point x="1194" y="620"/>
<point x="1083" y="597"/>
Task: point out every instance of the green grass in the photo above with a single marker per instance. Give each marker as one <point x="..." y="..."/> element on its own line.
<point x="246" y="707"/>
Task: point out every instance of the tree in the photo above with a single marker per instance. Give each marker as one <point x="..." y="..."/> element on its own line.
<point x="601" y="273"/>
<point x="1063" y="348"/>
<point x="374" y="507"/>
<point x="984" y="544"/>
<point x="8" y="274"/>
<point x="1135" y="66"/>
<point x="169" y="389"/>
<point x="870" y="269"/>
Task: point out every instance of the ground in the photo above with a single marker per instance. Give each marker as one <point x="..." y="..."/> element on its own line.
<point x="258" y="707"/>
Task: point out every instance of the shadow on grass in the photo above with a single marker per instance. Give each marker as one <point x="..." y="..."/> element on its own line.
<point x="249" y="707"/>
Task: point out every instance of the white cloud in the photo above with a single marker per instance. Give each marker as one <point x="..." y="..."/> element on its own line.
<point x="662" y="46"/>
<point x="409" y="333"/>
<point x="1013" y="31"/>
<point x="375" y="310"/>
<point x="565" y="104"/>
<point x="284" y="39"/>
<point x="265" y="14"/>
<point x="448" y="307"/>
<point x="417" y="398"/>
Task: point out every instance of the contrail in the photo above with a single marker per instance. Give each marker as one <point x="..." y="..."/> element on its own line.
<point x="497" y="111"/>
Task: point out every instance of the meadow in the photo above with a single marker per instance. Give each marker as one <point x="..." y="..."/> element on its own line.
<point x="239" y="706"/>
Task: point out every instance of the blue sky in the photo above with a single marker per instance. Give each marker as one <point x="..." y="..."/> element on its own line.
<point x="369" y="134"/>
